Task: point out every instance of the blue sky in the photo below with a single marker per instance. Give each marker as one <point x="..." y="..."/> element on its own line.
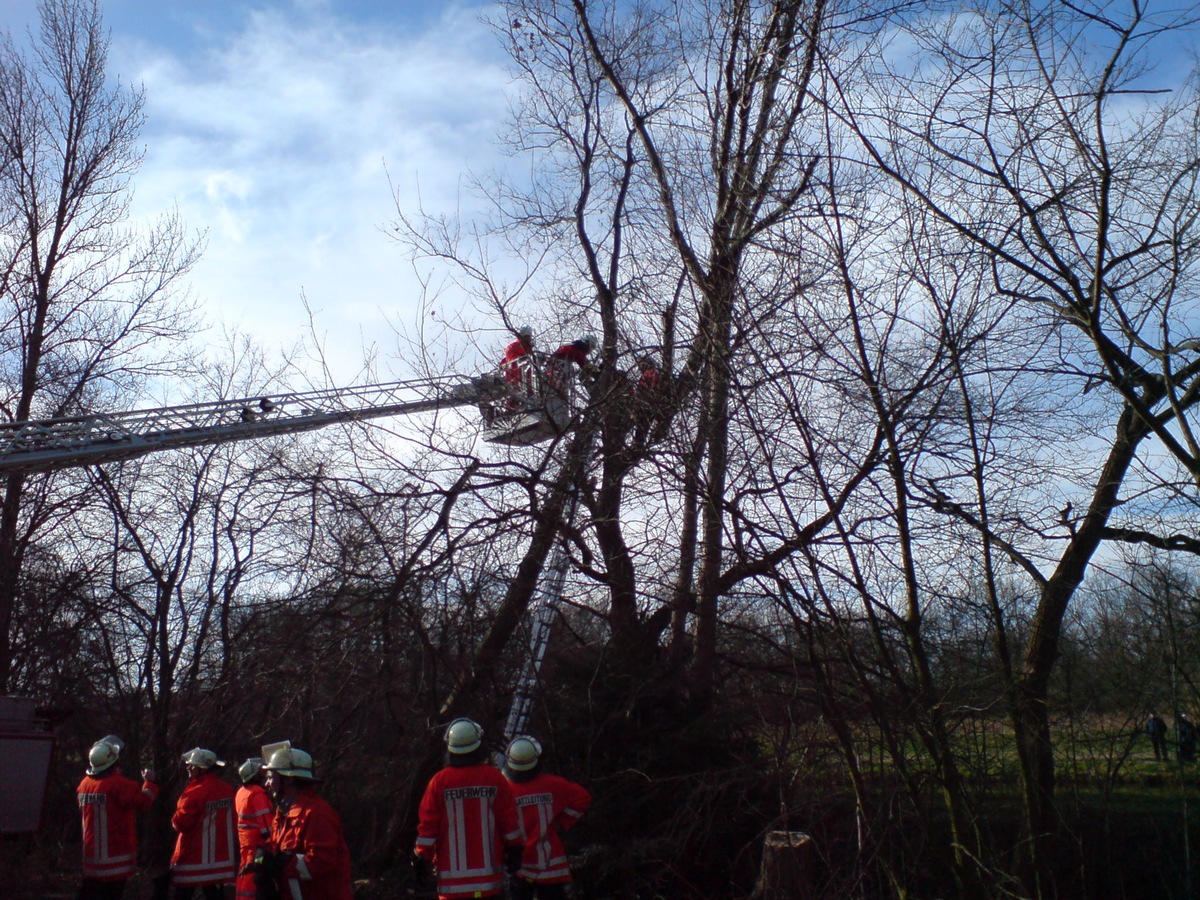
<point x="274" y="125"/>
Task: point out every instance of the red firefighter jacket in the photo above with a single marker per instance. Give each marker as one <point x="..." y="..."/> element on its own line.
<point x="548" y="806"/>
<point x="649" y="383"/>
<point x="512" y="369"/>
<point x="571" y="353"/>
<point x="466" y="819"/>
<point x="558" y="366"/>
<point x="254" y="814"/>
<point x="109" y="805"/>
<point x="312" y="830"/>
<point x="205" y="850"/>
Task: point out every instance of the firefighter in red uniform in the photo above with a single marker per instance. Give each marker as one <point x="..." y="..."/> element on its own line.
<point x="649" y="382"/>
<point x="577" y="351"/>
<point x="108" y="803"/>
<point x="558" y="366"/>
<point x="206" y="851"/>
<point x="254" y="814"/>
<point x="522" y="346"/>
<point x="549" y="805"/>
<point x="307" y="857"/>
<point x="649" y="398"/>
<point x="467" y="830"/>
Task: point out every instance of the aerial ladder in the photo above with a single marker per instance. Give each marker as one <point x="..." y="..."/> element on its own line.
<point x="525" y="402"/>
<point x="542" y="612"/>
<point x="520" y="405"/>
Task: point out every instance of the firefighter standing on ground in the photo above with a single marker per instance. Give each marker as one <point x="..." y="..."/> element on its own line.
<point x="108" y="804"/>
<point x="254" y="815"/>
<point x="548" y="805"/>
<point x="307" y="856"/>
<point x="468" y="830"/>
<point x="206" y="850"/>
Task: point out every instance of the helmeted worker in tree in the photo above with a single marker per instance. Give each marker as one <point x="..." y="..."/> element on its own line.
<point x="109" y="803"/>
<point x="307" y="857"/>
<point x="575" y="353"/>
<point x="206" y="849"/>
<point x="548" y="805"/>
<point x="468" y="831"/>
<point x="254" y="815"/>
<point x="521" y="346"/>
<point x="649" y="397"/>
<point x="650" y="381"/>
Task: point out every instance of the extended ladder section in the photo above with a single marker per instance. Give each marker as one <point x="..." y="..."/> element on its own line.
<point x="109" y="437"/>
<point x="541" y="617"/>
<point x="518" y="406"/>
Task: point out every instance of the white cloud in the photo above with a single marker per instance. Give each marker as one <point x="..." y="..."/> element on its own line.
<point x="274" y="138"/>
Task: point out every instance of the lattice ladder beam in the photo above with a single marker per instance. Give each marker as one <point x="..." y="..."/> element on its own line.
<point x="85" y="440"/>
<point x="545" y="609"/>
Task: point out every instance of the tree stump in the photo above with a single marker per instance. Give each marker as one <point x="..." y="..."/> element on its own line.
<point x="786" y="871"/>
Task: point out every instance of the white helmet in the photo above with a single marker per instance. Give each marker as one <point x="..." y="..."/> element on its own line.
<point x="522" y="753"/>
<point x="291" y="761"/>
<point x="102" y="757"/>
<point x="525" y="331"/>
<point x="201" y="758"/>
<point x="249" y="770"/>
<point x="114" y="741"/>
<point x="463" y="736"/>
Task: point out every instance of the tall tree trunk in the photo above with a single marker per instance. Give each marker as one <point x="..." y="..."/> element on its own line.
<point x="1030" y="717"/>
<point x="712" y="511"/>
<point x="10" y="571"/>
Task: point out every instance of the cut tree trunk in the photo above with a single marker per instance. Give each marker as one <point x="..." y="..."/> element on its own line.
<point x="787" y="867"/>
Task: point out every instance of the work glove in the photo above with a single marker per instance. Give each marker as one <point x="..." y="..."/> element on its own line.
<point x="422" y="869"/>
<point x="512" y="859"/>
<point x="258" y="862"/>
<point x="269" y="863"/>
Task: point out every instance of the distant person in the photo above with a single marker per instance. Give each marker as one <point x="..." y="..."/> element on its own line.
<point x="206" y="850"/>
<point x="1185" y="738"/>
<point x="468" y="832"/>
<point x="1156" y="728"/>
<point x="109" y="803"/>
<point x="308" y="858"/>
<point x="254" y="815"/>
<point x="548" y="805"/>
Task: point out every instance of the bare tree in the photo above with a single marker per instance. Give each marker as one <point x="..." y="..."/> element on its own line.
<point x="899" y="292"/>
<point x="1032" y="145"/>
<point x="192" y="542"/>
<point x="748" y="69"/>
<point x="89" y="310"/>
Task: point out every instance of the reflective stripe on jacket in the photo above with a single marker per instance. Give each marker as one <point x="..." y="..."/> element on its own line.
<point x="466" y="819"/>
<point x="108" y="806"/>
<point x="205" y="850"/>
<point x="548" y="806"/>
<point x="254" y="814"/>
<point x="311" y="829"/>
